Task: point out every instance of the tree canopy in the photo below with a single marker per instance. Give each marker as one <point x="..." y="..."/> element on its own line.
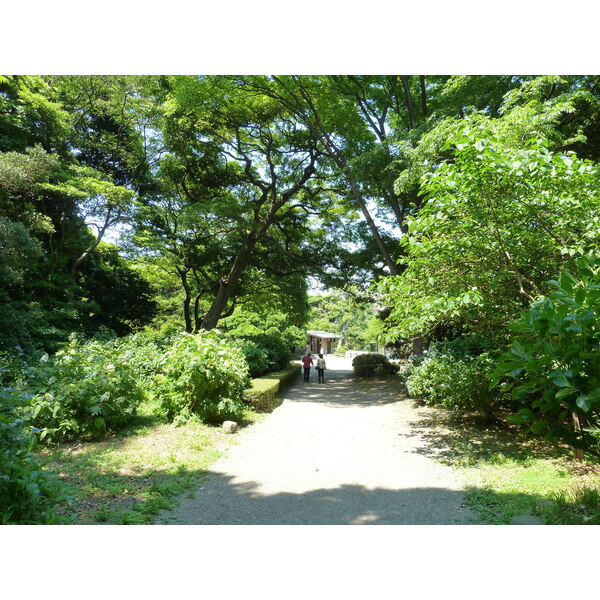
<point x="459" y="196"/>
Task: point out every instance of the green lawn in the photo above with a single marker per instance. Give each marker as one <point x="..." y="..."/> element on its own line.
<point x="510" y="474"/>
<point x="129" y="477"/>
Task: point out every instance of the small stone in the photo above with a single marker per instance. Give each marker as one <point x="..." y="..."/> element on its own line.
<point x="230" y="426"/>
<point x="526" y="520"/>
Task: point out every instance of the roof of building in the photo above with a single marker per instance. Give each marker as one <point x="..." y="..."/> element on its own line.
<point x="323" y="334"/>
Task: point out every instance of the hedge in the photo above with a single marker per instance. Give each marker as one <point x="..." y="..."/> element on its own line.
<point x="373" y="365"/>
<point x="263" y="395"/>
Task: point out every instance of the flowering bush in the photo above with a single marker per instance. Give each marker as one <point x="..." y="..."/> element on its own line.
<point x="143" y="355"/>
<point x="203" y="375"/>
<point x="553" y="365"/>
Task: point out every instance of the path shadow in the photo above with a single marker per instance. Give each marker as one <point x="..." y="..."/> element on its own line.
<point x="222" y="502"/>
<point x="341" y="389"/>
<point x="467" y="440"/>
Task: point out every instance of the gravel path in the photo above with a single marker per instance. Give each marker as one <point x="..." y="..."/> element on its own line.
<point x="338" y="453"/>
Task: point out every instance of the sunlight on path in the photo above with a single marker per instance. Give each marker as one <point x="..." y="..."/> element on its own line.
<point x="339" y="452"/>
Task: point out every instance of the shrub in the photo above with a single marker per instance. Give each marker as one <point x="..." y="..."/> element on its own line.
<point x="27" y="493"/>
<point x="143" y="355"/>
<point x="553" y="366"/>
<point x="455" y="382"/>
<point x="264" y="353"/>
<point x="203" y="375"/>
<point x="83" y="391"/>
<point x="371" y="365"/>
<point x="340" y="351"/>
<point x="263" y="393"/>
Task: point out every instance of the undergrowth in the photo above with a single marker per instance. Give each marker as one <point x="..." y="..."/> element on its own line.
<point x="130" y="477"/>
<point x="511" y="474"/>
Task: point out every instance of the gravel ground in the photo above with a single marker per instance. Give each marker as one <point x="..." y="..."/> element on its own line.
<point x="334" y="453"/>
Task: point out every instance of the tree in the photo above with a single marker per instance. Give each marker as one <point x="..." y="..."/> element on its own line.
<point x="346" y="119"/>
<point x="353" y="316"/>
<point x="57" y="192"/>
<point x="118" y="296"/>
<point x="500" y="221"/>
<point x="238" y="191"/>
<point x="368" y="126"/>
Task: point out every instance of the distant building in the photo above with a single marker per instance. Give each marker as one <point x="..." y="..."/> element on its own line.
<point x="320" y="341"/>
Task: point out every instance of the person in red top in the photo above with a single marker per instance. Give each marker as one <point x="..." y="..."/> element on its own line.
<point x="307" y="362"/>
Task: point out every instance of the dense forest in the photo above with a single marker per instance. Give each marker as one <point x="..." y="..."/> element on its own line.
<point x="149" y="220"/>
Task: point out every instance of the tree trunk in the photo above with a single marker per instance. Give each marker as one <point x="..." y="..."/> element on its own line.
<point x="418" y="345"/>
<point x="412" y="123"/>
<point x="88" y="251"/>
<point x="577" y="427"/>
<point x="423" y="94"/>
<point x="187" y="300"/>
<point x="389" y="261"/>
<point x="226" y="288"/>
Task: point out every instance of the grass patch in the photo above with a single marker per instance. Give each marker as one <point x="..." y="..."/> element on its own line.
<point x="510" y="474"/>
<point x="128" y="478"/>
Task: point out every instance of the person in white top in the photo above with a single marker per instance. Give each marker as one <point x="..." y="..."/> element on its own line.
<point x="321" y="366"/>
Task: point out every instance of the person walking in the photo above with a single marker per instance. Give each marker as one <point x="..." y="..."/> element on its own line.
<point x="307" y="362"/>
<point x="321" y="366"/>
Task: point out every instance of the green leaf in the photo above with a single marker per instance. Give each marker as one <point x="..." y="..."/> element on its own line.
<point x="562" y="381"/>
<point x="538" y="427"/>
<point x="526" y="414"/>
<point x="515" y="419"/>
<point x="583" y="402"/>
<point x="564" y="392"/>
<point x="594" y="394"/>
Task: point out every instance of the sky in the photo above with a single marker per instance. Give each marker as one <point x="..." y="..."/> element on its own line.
<point x="315" y="36"/>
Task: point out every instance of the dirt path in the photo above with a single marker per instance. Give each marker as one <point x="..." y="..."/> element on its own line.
<point x="338" y="453"/>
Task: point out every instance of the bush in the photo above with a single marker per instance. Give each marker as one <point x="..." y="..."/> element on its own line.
<point x="340" y="351"/>
<point x="373" y="365"/>
<point x="553" y="366"/>
<point x="144" y="355"/>
<point x="264" y="353"/>
<point x="27" y="493"/>
<point x="203" y="375"/>
<point x="83" y="391"/>
<point x="263" y="393"/>
<point x="454" y="381"/>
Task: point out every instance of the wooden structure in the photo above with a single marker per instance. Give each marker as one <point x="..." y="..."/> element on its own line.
<point x="320" y="341"/>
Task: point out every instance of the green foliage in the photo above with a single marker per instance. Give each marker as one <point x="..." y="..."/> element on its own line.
<point x="456" y="375"/>
<point x="83" y="391"/>
<point x="28" y="494"/>
<point x="492" y="231"/>
<point x="66" y="173"/>
<point x="203" y="375"/>
<point x="143" y="355"/>
<point x="17" y="249"/>
<point x="263" y="394"/>
<point x="264" y="354"/>
<point x="253" y="322"/>
<point x="117" y="296"/>
<point x="347" y="314"/>
<point x="553" y="366"/>
<point x="373" y="365"/>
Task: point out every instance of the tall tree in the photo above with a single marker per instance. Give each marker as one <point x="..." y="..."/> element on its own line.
<point x="243" y="175"/>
